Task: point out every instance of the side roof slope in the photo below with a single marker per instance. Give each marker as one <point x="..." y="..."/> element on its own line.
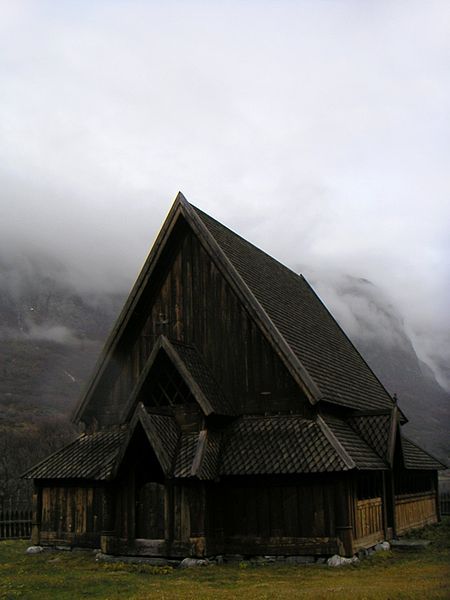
<point x="312" y="333"/>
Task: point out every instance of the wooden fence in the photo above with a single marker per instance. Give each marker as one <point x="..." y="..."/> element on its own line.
<point x="444" y="502"/>
<point x="15" y="524"/>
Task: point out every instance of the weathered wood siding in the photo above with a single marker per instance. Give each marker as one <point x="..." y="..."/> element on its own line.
<point x="72" y="515"/>
<point x="368" y="522"/>
<point x="415" y="510"/>
<point x="194" y="304"/>
<point x="276" y="517"/>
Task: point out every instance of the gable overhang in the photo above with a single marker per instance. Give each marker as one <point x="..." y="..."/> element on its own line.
<point x="162" y="344"/>
<point x="182" y="208"/>
<point x="141" y="418"/>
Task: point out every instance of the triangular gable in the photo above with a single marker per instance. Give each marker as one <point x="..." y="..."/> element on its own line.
<point x="194" y="372"/>
<point x="179" y="454"/>
<point x="379" y="430"/>
<point x="361" y="454"/>
<point x="317" y="353"/>
<point x="162" y="434"/>
<point x="181" y="208"/>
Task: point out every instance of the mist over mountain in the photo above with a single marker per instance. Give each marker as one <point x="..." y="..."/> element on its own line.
<point x="378" y="330"/>
<point x="52" y="334"/>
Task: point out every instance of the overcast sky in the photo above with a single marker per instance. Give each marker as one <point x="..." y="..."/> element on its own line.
<point x="319" y="130"/>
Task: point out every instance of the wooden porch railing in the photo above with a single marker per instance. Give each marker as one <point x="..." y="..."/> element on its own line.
<point x="414" y="510"/>
<point x="369" y="521"/>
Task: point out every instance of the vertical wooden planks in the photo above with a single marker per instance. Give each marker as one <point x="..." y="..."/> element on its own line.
<point x="192" y="302"/>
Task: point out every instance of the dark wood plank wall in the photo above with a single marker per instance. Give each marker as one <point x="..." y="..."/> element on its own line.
<point x="72" y="514"/>
<point x="274" y="516"/>
<point x="194" y="304"/>
<point x="275" y="509"/>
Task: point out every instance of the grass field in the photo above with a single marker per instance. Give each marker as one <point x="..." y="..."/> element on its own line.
<point x="73" y="575"/>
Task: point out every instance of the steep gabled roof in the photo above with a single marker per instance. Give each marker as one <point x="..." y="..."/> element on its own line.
<point x="313" y="347"/>
<point x="302" y="320"/>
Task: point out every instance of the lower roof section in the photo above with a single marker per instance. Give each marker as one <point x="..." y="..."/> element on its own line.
<point x="282" y="445"/>
<point x="249" y="445"/>
<point x="90" y="456"/>
<point x="415" y="458"/>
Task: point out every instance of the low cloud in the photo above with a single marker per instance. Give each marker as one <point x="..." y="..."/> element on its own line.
<point x="319" y="131"/>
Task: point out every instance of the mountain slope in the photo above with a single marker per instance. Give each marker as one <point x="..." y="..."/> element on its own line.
<point x="52" y="335"/>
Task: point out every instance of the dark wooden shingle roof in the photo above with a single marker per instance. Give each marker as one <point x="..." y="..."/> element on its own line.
<point x="331" y="360"/>
<point x="163" y="434"/>
<point x="417" y="459"/>
<point x="278" y="445"/>
<point x="251" y="445"/>
<point x="202" y="376"/>
<point x="185" y="455"/>
<point x="375" y="430"/>
<point x="90" y="456"/>
<point x="362" y="455"/>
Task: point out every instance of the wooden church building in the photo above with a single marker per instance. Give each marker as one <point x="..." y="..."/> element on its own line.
<point x="230" y="414"/>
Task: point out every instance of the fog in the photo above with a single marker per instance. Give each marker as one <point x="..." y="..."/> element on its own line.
<point x="317" y="130"/>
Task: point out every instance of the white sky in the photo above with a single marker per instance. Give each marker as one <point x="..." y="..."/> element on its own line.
<point x="319" y="130"/>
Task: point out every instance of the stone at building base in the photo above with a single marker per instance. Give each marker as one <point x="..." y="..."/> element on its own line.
<point x="188" y="563"/>
<point x="383" y="546"/>
<point x="339" y="561"/>
<point x="34" y="549"/>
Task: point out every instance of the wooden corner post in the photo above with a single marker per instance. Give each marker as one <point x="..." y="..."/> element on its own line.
<point x="344" y="526"/>
<point x="36" y="515"/>
<point x="108" y="533"/>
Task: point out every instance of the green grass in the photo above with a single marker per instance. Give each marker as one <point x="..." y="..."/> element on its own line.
<point x="73" y="575"/>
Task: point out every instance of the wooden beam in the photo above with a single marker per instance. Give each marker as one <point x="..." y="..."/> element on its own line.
<point x="37" y="515"/>
<point x="344" y="525"/>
